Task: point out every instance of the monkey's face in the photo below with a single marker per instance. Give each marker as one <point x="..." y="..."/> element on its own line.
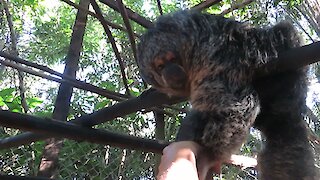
<point x="160" y="64"/>
<point x="167" y="75"/>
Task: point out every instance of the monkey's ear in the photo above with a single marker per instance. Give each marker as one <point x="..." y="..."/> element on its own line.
<point x="285" y="35"/>
<point x="284" y="27"/>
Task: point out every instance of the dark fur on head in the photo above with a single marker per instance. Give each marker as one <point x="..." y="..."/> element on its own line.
<point x="218" y="57"/>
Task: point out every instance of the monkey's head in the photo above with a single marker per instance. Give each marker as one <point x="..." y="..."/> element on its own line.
<point x="172" y="51"/>
<point x="166" y="74"/>
<point x="161" y="58"/>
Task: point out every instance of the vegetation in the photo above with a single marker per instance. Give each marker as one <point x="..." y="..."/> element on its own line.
<point x="45" y="32"/>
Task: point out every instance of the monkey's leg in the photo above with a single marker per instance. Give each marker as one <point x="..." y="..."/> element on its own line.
<point x="287" y="153"/>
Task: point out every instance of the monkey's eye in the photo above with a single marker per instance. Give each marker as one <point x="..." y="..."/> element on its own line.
<point x="159" y="64"/>
<point x="170" y="56"/>
<point x="160" y="67"/>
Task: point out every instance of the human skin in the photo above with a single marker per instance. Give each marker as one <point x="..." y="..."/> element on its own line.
<point x="179" y="161"/>
<point x="185" y="160"/>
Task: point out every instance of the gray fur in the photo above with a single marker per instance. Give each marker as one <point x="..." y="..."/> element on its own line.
<point x="219" y="56"/>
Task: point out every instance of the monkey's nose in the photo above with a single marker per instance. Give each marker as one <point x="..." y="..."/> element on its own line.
<point x="178" y="77"/>
<point x="178" y="82"/>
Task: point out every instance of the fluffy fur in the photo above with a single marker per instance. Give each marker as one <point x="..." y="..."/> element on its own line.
<point x="219" y="56"/>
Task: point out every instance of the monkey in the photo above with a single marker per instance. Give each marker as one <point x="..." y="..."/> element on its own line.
<point x="211" y="60"/>
<point x="219" y="90"/>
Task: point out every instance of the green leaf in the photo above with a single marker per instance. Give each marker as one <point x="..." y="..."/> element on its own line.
<point x="2" y="103"/>
<point x="135" y="91"/>
<point x="34" y="102"/>
<point x="102" y="104"/>
<point x="108" y="85"/>
<point x="8" y="92"/>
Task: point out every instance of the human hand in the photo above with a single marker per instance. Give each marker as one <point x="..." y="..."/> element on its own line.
<point x="179" y="161"/>
<point x="187" y="160"/>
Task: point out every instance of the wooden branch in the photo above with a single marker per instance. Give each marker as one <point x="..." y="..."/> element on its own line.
<point x="21" y="139"/>
<point x="125" y="18"/>
<point x="305" y="10"/>
<point x="293" y="17"/>
<point x="113" y="43"/>
<point x="115" y="26"/>
<point x="13" y="36"/>
<point x="50" y="154"/>
<point x="131" y="14"/>
<point x="294" y="58"/>
<point x="159" y="7"/>
<point x="31" y="64"/>
<point x="80" y="8"/>
<point x="291" y="59"/>
<point x="203" y="5"/>
<point x="67" y="79"/>
<point x="300" y="57"/>
<point x="13" y="177"/>
<point x="13" y="50"/>
<point x="312" y="116"/>
<point x="236" y="6"/>
<point x="71" y="81"/>
<point x="67" y="130"/>
<point x="147" y="99"/>
<point x="63" y="129"/>
<point x="312" y="136"/>
<point x="147" y="23"/>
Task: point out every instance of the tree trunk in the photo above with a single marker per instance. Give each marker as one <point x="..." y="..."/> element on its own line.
<point x="49" y="161"/>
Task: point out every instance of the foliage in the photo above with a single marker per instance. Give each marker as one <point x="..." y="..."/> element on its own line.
<point x="44" y="29"/>
<point x="9" y="99"/>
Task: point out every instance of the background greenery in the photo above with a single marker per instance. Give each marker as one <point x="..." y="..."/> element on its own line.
<point x="43" y="30"/>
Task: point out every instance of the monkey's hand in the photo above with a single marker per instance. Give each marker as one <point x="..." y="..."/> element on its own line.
<point x="191" y="127"/>
<point x="222" y="120"/>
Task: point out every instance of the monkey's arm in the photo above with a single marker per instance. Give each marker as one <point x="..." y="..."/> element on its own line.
<point x="191" y="127"/>
<point x="220" y="118"/>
